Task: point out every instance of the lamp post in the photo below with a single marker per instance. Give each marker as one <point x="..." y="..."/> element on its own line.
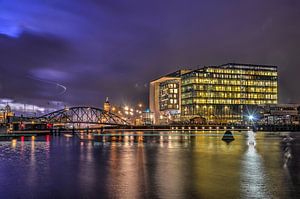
<point x="252" y="120"/>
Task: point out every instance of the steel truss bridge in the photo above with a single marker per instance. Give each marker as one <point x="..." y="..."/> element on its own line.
<point x="78" y="116"/>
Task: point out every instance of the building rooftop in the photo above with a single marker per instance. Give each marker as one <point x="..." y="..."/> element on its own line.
<point x="175" y="74"/>
<point x="181" y="72"/>
<point x="248" y="66"/>
<point x="238" y="66"/>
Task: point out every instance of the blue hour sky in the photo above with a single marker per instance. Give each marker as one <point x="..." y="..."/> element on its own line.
<point x="80" y="51"/>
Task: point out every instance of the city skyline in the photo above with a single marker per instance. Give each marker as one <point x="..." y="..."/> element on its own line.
<point x="149" y="99"/>
<point x="89" y="50"/>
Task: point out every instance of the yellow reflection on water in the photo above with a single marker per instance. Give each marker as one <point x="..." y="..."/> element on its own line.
<point x="13" y="143"/>
<point x="216" y="166"/>
<point x="126" y="170"/>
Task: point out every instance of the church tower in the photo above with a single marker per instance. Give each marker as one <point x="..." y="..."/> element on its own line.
<point x="106" y="106"/>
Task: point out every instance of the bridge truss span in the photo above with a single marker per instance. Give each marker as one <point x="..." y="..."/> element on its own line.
<point x="83" y="115"/>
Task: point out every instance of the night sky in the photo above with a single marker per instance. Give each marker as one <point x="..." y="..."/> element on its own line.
<point x="79" y="51"/>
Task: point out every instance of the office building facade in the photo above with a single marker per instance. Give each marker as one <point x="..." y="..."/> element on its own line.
<point x="226" y="93"/>
<point x="165" y="98"/>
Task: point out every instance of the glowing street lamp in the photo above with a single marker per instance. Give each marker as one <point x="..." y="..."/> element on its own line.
<point x="251" y="117"/>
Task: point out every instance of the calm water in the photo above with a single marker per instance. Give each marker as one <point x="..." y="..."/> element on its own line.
<point x="253" y="166"/>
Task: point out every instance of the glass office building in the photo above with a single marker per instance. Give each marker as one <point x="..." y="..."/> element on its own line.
<point x="227" y="93"/>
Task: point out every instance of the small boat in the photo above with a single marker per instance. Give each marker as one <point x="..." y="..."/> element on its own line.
<point x="228" y="136"/>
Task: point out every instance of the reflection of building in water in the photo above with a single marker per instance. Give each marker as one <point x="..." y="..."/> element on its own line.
<point x="281" y="114"/>
<point x="216" y="167"/>
<point x="86" y="174"/>
<point x="253" y="182"/>
<point x="127" y="173"/>
<point x="261" y="168"/>
<point x="139" y="171"/>
<point x="172" y="172"/>
<point x="290" y="148"/>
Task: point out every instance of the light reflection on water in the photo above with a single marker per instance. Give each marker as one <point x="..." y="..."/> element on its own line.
<point x="253" y="178"/>
<point x="255" y="165"/>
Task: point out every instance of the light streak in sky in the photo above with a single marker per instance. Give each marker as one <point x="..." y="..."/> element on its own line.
<point x="64" y="88"/>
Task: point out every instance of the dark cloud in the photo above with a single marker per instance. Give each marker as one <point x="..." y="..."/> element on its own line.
<point x="28" y="53"/>
<point x="112" y="48"/>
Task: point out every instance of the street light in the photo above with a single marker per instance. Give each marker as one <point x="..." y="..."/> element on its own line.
<point x="251" y="117"/>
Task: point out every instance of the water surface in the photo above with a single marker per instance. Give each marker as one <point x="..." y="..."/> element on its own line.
<point x="261" y="165"/>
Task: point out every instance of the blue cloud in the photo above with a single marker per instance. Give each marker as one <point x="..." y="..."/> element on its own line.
<point x="10" y="28"/>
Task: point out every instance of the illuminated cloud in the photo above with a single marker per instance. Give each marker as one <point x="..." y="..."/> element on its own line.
<point x="23" y="108"/>
<point x="49" y="74"/>
<point x="9" y="28"/>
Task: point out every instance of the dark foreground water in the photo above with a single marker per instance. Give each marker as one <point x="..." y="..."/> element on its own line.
<point x="262" y="165"/>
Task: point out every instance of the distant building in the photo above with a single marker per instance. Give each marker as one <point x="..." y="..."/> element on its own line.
<point x="218" y="94"/>
<point x="147" y="118"/>
<point x="5" y="114"/>
<point x="281" y="114"/>
<point x="132" y="114"/>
